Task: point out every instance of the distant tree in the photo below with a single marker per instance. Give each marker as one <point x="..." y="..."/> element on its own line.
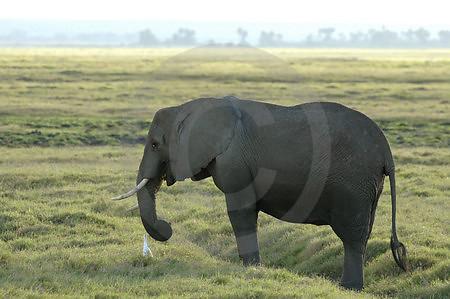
<point x="183" y="37"/>
<point x="242" y="36"/>
<point x="419" y="37"/>
<point x="444" y="37"/>
<point x="383" y="38"/>
<point x="422" y="36"/>
<point x="270" y="39"/>
<point x="325" y="34"/>
<point x="147" y="38"/>
<point x="410" y="36"/>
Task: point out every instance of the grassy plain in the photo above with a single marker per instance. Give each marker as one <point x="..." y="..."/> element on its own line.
<point x="72" y="124"/>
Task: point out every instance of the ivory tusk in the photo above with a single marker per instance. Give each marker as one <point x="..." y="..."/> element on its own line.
<point x="132" y="191"/>
<point x="133" y="208"/>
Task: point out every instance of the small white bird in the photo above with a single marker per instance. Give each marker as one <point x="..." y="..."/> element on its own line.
<point x="146" y="250"/>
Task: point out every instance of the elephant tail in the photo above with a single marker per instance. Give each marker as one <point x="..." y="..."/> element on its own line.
<point x="397" y="247"/>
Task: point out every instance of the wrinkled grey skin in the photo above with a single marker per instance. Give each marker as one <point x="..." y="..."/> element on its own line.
<point x="317" y="163"/>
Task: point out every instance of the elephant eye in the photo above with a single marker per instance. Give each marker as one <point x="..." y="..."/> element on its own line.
<point x="154" y="145"/>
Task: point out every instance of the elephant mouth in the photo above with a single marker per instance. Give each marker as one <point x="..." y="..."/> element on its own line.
<point x="167" y="175"/>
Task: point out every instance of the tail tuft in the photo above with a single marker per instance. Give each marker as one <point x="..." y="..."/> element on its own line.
<point x="399" y="253"/>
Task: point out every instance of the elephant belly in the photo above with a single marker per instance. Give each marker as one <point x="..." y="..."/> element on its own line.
<point x="336" y="203"/>
<point x="285" y="198"/>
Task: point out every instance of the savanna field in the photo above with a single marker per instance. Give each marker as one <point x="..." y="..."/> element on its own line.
<point x="72" y="127"/>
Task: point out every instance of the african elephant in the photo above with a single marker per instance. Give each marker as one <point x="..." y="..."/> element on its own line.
<point x="319" y="163"/>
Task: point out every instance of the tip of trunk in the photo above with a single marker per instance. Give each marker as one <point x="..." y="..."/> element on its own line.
<point x="160" y="231"/>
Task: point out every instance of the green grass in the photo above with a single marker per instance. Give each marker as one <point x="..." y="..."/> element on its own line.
<point x="72" y="122"/>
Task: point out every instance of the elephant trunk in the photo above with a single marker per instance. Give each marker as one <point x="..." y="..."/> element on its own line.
<point x="158" y="229"/>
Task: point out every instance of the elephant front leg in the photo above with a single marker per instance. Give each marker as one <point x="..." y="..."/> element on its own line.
<point x="244" y="227"/>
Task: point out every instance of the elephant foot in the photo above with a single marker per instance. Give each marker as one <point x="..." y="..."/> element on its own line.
<point x="352" y="286"/>
<point x="251" y="259"/>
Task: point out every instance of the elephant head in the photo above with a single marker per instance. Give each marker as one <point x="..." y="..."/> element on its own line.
<point x="181" y="143"/>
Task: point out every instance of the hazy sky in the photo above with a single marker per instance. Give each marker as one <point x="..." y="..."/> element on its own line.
<point x="412" y="12"/>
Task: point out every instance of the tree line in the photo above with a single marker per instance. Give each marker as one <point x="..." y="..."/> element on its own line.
<point x="327" y="37"/>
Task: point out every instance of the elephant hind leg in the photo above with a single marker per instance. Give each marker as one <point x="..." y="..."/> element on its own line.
<point x="371" y="221"/>
<point x="372" y="218"/>
<point x="353" y="273"/>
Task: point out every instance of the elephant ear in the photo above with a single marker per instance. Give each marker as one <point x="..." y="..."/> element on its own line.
<point x="203" y="129"/>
